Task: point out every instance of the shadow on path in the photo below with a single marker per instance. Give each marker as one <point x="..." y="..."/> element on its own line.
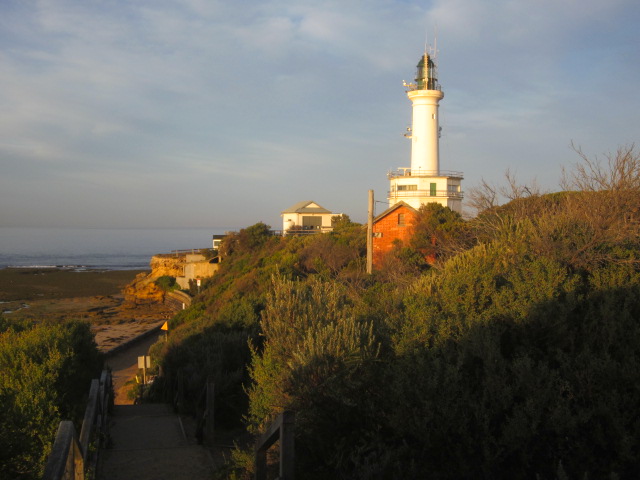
<point x="149" y="443"/>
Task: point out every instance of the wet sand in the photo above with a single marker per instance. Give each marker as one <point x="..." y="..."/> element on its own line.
<point x="29" y="284"/>
<point x="92" y="296"/>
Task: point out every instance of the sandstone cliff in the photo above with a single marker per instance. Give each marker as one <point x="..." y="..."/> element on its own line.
<point x="143" y="289"/>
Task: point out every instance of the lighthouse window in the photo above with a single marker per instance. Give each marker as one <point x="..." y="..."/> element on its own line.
<point x="405" y="188"/>
<point x="432" y="189"/>
<point x="433" y="115"/>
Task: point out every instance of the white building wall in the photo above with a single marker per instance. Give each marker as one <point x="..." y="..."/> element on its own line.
<point x="425" y="131"/>
<point x="417" y="191"/>
<point x="295" y="219"/>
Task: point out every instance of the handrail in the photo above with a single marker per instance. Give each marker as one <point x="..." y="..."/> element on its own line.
<point x="303" y="231"/>
<point x="424" y="193"/>
<point x="407" y="172"/>
<point x="190" y="250"/>
<point x="281" y="429"/>
<point x="177" y="253"/>
<point x="89" y="417"/>
<point x="70" y="456"/>
<point x="65" y="460"/>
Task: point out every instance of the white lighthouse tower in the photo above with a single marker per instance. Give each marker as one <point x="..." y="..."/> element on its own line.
<point x="424" y="182"/>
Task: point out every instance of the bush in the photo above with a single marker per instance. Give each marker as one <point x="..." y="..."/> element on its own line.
<point x="167" y="283"/>
<point x="45" y="373"/>
<point x="317" y="359"/>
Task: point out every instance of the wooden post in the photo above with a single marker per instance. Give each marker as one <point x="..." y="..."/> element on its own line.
<point x="209" y="414"/>
<point x="78" y="462"/>
<point x="287" y="446"/>
<point x="370" y="234"/>
<point x="261" y="464"/>
<point x="86" y="432"/>
<point x="283" y="430"/>
<point x="70" y="456"/>
<point x="65" y="459"/>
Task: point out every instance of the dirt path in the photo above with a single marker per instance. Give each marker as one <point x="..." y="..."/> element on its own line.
<point x="150" y="443"/>
<point x="124" y="366"/>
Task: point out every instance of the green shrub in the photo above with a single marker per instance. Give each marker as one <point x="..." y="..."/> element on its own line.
<point x="45" y="372"/>
<point x="167" y="283"/>
<point x="317" y="359"/>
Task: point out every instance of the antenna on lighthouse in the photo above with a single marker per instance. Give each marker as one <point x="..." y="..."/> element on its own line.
<point x="435" y="45"/>
<point x="426" y="40"/>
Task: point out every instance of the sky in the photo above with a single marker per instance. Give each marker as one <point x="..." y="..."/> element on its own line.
<point x="197" y="113"/>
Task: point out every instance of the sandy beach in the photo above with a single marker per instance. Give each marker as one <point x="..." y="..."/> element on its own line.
<point x="93" y="296"/>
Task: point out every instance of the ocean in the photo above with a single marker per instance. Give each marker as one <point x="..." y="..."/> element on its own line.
<point x="96" y="248"/>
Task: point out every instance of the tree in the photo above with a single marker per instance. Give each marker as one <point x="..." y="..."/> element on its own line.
<point x="439" y="232"/>
<point x="487" y="196"/>
<point x="620" y="173"/>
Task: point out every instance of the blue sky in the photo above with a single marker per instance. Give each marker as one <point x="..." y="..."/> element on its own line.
<point x="195" y="113"/>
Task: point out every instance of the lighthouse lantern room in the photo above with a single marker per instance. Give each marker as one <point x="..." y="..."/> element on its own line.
<point x="424" y="182"/>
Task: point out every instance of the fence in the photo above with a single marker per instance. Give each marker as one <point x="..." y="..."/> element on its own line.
<point x="177" y="300"/>
<point x="300" y="231"/>
<point x="71" y="455"/>
<point x="282" y="430"/>
<point x="177" y="253"/>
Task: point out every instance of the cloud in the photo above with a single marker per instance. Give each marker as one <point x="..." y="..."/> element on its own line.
<point x="276" y="99"/>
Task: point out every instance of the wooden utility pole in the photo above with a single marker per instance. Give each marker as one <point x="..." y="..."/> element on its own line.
<point x="370" y="234"/>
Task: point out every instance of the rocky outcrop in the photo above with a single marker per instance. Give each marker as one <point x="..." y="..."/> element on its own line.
<point x="167" y="265"/>
<point x="143" y="290"/>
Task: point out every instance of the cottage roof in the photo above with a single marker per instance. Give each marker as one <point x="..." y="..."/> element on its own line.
<point x="306" y="206"/>
<point x="393" y="208"/>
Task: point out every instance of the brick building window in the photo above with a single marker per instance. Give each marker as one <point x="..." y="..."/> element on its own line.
<point x="401" y="219"/>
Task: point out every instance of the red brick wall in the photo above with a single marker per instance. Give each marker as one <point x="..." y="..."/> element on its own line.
<point x="390" y="229"/>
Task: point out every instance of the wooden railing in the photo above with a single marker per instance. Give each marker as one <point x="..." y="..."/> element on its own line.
<point x="282" y="430"/>
<point x="71" y="456"/>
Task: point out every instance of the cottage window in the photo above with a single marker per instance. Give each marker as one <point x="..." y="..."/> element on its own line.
<point x="401" y="219"/>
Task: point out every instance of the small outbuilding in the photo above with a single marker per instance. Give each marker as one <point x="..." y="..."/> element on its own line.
<point x="196" y="266"/>
<point x="394" y="224"/>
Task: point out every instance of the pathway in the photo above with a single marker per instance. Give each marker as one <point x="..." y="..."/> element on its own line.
<point x="124" y="365"/>
<point x="149" y="443"/>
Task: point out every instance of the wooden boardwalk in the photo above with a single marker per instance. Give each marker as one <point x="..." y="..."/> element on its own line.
<point x="149" y="442"/>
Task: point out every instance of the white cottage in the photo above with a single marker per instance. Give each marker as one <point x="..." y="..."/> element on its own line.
<point x="306" y="217"/>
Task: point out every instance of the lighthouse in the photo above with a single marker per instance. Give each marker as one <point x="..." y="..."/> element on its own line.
<point x="424" y="182"/>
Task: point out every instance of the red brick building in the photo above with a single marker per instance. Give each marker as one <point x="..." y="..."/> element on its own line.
<point x="395" y="223"/>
